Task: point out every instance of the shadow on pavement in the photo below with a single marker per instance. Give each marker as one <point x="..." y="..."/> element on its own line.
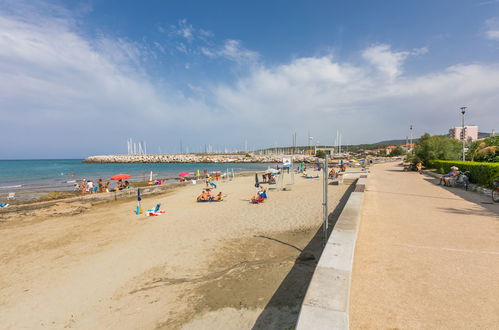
<point x="470" y="196"/>
<point x="283" y="309"/>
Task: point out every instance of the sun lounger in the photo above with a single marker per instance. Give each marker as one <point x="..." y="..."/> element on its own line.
<point x="155" y="212"/>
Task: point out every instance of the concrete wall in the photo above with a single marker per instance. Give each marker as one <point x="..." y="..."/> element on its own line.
<point x="326" y="303"/>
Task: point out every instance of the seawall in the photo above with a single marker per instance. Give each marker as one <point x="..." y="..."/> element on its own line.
<point x="195" y="158"/>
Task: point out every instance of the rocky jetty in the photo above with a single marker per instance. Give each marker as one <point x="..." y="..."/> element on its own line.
<point x="196" y="158"/>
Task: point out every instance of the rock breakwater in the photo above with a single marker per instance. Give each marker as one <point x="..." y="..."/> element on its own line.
<point x="195" y="158"/>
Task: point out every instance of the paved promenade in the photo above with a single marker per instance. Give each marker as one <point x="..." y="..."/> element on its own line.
<point x="427" y="257"/>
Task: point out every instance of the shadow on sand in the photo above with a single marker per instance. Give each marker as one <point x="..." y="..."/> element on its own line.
<point x="282" y="310"/>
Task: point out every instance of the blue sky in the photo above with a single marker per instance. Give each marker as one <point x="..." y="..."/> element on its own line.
<point x="81" y="77"/>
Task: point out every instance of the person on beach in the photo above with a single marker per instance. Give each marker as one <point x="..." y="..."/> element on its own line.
<point x="90" y="186"/>
<point x="83" y="187"/>
<point x="106" y="186"/>
<point x="447" y="178"/>
<point x="333" y="174"/>
<point x="205" y="195"/>
<point x="218" y="197"/>
<point x="100" y="185"/>
<point x="120" y="185"/>
<point x="257" y="199"/>
<point x="126" y="185"/>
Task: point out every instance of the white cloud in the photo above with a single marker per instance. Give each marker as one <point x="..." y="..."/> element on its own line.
<point x="493" y="34"/>
<point x="323" y="95"/>
<point x="60" y="91"/>
<point x="492" y="26"/>
<point x="388" y="62"/>
<point x="189" y="40"/>
<point x="231" y="50"/>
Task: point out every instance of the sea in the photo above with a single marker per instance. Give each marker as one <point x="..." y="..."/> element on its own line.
<point x="62" y="174"/>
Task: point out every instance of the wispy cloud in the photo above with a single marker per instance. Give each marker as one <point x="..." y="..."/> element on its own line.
<point x="233" y="51"/>
<point x="193" y="41"/>
<point x="492" y="28"/>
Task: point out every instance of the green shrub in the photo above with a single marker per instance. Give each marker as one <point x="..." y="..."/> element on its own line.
<point x="483" y="174"/>
<point x="486" y="150"/>
<point x="437" y="147"/>
<point x="320" y="154"/>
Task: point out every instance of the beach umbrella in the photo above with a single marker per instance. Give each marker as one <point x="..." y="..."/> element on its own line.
<point x="184" y="174"/>
<point x="139" y="206"/>
<point x="257" y="184"/>
<point x="120" y="177"/>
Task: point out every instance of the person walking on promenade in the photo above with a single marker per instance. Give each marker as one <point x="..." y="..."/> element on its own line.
<point x="419" y="166"/>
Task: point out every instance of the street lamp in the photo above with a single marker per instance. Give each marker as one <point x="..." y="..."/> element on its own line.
<point x="463" y="136"/>
<point x="411" y="146"/>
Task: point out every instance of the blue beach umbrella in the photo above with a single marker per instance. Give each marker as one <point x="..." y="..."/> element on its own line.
<point x="139" y="207"/>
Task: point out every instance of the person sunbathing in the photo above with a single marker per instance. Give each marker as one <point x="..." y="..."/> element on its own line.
<point x="257" y="199"/>
<point x="333" y="174"/>
<point x="205" y="196"/>
<point x="218" y="197"/>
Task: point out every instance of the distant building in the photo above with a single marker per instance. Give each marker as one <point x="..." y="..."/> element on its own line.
<point x="389" y="149"/>
<point x="469" y="132"/>
<point x="407" y="147"/>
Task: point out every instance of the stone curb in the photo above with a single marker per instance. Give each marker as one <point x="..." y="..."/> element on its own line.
<point x="326" y="304"/>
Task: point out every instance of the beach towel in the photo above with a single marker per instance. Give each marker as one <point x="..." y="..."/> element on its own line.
<point x="208" y="201"/>
<point x="312" y="177"/>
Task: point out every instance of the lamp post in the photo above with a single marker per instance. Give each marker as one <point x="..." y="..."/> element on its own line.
<point x="463" y="136"/>
<point x="412" y="147"/>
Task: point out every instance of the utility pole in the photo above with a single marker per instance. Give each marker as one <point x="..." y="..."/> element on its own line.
<point x="463" y="135"/>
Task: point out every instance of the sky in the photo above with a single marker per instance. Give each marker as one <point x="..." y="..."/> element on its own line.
<point x="80" y="78"/>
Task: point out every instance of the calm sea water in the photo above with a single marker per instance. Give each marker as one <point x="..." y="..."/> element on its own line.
<point x="16" y="175"/>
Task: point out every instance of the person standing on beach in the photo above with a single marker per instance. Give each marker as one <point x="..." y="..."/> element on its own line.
<point x="83" y="187"/>
<point x="100" y="185"/>
<point x="90" y="186"/>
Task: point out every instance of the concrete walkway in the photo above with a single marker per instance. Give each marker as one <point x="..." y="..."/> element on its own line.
<point x="427" y="257"/>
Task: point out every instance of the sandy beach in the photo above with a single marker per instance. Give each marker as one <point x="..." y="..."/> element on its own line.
<point x="229" y="264"/>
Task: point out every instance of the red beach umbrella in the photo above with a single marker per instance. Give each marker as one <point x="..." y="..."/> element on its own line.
<point x="184" y="174"/>
<point x="120" y="177"/>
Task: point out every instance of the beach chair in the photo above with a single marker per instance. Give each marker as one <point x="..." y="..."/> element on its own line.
<point x="156" y="211"/>
<point x="11" y="196"/>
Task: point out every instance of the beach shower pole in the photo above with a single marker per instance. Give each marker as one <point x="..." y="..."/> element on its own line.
<point x="324" y="203"/>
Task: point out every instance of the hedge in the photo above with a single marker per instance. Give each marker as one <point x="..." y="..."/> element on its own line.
<point x="483" y="174"/>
